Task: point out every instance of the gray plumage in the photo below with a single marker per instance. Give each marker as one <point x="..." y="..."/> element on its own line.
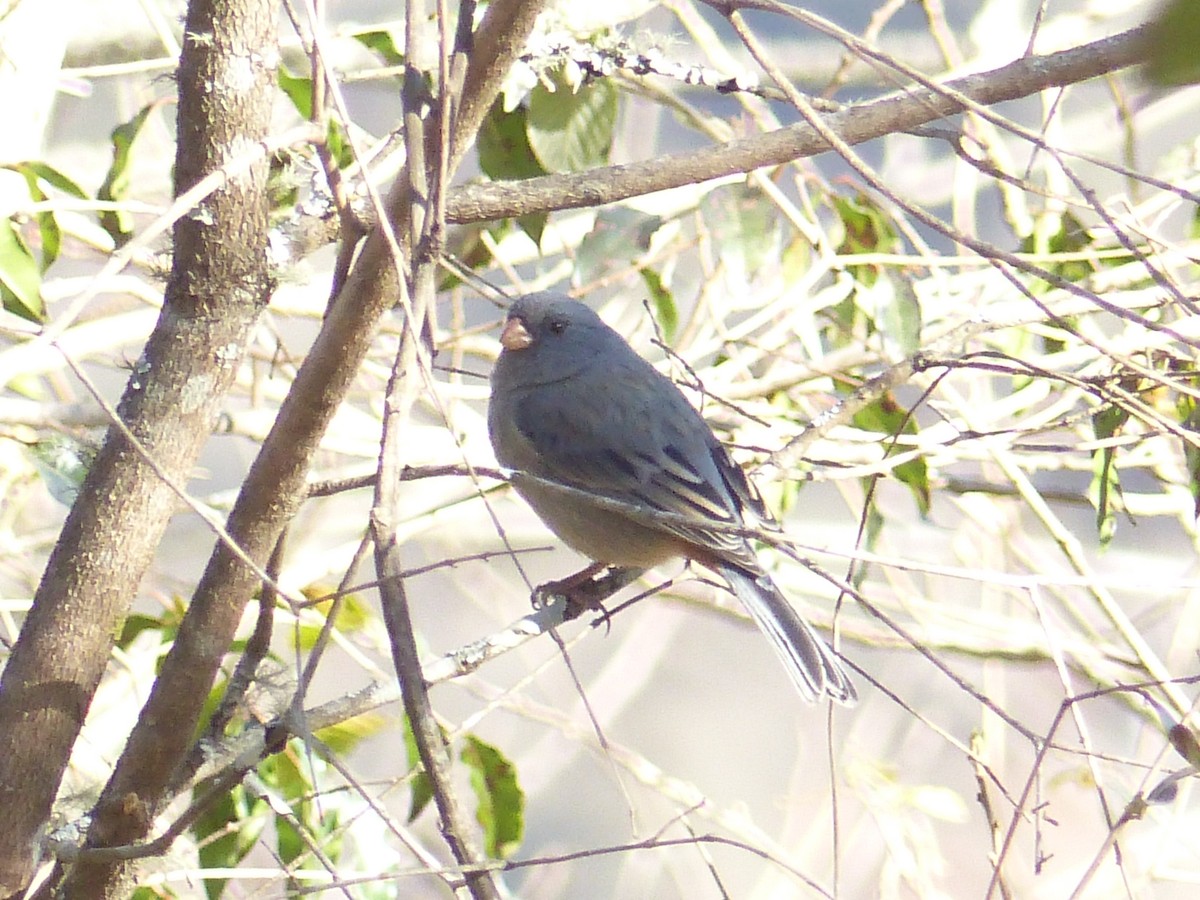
<point x="573" y="403"/>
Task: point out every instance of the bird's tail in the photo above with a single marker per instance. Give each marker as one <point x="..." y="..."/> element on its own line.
<point x="812" y="665"/>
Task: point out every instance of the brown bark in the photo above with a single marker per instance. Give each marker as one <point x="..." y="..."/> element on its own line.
<point x="270" y="494"/>
<point x="219" y="284"/>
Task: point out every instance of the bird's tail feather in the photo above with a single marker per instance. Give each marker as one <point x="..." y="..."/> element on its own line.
<point x="812" y="665"/>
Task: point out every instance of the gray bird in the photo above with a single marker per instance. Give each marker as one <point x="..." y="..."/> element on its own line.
<point x="573" y="404"/>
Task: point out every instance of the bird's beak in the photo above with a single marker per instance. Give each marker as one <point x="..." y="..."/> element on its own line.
<point x="515" y="335"/>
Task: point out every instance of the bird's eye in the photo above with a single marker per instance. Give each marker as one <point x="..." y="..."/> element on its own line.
<point x="557" y="326"/>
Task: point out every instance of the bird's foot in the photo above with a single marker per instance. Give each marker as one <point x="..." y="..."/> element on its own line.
<point x="584" y="591"/>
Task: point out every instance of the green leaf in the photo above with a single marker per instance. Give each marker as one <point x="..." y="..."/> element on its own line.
<point x="298" y="89"/>
<point x="619" y="236"/>
<point x="35" y="173"/>
<point x="47" y="173"/>
<point x="1062" y="234"/>
<point x="501" y="809"/>
<point x="345" y="736"/>
<point x="1188" y="411"/>
<point x="898" y="316"/>
<point x="115" y="188"/>
<point x="570" y="132"/>
<point x="886" y="416"/>
<point x="1171" y="41"/>
<point x="154" y="893"/>
<point x="288" y="772"/>
<point x="504" y="151"/>
<point x="338" y="143"/>
<point x="797" y="259"/>
<point x="227" y="831"/>
<point x="467" y="245"/>
<point x="505" y="155"/>
<point x="865" y="229"/>
<point x="1106" y="423"/>
<point x="63" y="463"/>
<point x="352" y="615"/>
<point x="167" y="625"/>
<point x="134" y="625"/>
<point x="291" y="775"/>
<point x="383" y="44"/>
<point x="20" y="275"/>
<point x="422" y="788"/>
<point x="665" y="309"/>
<point x="745" y="225"/>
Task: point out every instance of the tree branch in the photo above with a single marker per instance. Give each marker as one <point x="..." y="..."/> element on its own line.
<point x="273" y="488"/>
<point x="218" y="286"/>
<point x="854" y="124"/>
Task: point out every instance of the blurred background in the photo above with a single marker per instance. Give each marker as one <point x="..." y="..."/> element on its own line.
<point x="1017" y="505"/>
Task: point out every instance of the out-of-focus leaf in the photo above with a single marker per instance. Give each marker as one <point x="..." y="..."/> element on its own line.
<point x="298" y="89"/>
<point x="467" y="245"/>
<point x="422" y="788"/>
<point x="505" y="155"/>
<point x="871" y="533"/>
<point x="47" y="173"/>
<point x="746" y="228"/>
<point x="63" y="462"/>
<point x="1188" y="411"/>
<point x="158" y="892"/>
<point x="34" y="173"/>
<point x="1171" y="42"/>
<point x="797" y="260"/>
<point x="618" y="237"/>
<point x="339" y="144"/>
<point x="352" y="615"/>
<point x="345" y="736"/>
<point x="166" y="624"/>
<point x="290" y="774"/>
<point x="1106" y="423"/>
<point x="20" y="275"/>
<point x="287" y="774"/>
<point x="501" y="802"/>
<point x="1183" y="739"/>
<point x="865" y="228"/>
<point x="1168" y="789"/>
<point x="134" y="625"/>
<point x="504" y="151"/>
<point x="227" y="831"/>
<point x="1070" y="236"/>
<point x="897" y="314"/>
<point x="665" y="309"/>
<point x="115" y="188"/>
<point x="572" y="131"/>
<point x="211" y="703"/>
<point x="888" y="417"/>
<point x="382" y="43"/>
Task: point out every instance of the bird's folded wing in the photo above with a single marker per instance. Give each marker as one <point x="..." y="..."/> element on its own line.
<point x="659" y="456"/>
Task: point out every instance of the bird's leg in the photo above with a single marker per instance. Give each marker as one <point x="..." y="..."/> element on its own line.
<point x="564" y="587"/>
<point x="584" y="591"/>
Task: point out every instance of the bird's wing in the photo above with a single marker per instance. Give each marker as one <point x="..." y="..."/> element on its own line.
<point x="629" y="434"/>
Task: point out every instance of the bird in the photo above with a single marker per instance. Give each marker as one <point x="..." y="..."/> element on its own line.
<point x="573" y="404"/>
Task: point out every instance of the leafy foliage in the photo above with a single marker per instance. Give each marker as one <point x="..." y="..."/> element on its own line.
<point x="116" y="186"/>
<point x="571" y="130"/>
